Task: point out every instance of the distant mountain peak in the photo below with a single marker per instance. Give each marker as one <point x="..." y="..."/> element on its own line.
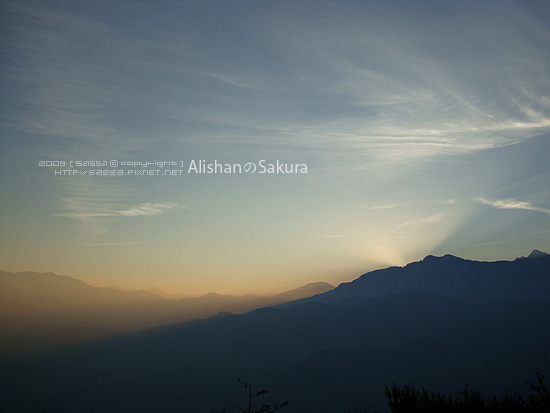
<point x="538" y="254"/>
<point x="534" y="254"/>
<point x="446" y="257"/>
<point x="211" y="295"/>
<point x="318" y="284"/>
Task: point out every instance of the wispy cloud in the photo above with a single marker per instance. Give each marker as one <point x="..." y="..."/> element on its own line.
<point x="383" y="206"/>
<point x="432" y="219"/>
<point x="111" y="244"/>
<point x="84" y="215"/>
<point x="136" y="211"/>
<point x="519" y="237"/>
<point x="237" y="81"/>
<point x="447" y="201"/>
<point x="374" y="95"/>
<point x="148" y="209"/>
<point x="69" y="95"/>
<point x="94" y="205"/>
<point x="512" y="204"/>
<point x="397" y="97"/>
<point x="394" y="205"/>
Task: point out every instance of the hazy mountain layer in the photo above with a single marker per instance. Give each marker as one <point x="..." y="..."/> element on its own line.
<point x="37" y="308"/>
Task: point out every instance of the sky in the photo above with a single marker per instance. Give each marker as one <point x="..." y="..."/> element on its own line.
<point x="401" y="129"/>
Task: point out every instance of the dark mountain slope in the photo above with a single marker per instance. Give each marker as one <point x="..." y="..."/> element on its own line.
<point x="323" y="357"/>
<point x="453" y="277"/>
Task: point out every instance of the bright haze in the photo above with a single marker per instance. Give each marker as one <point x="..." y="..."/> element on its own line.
<point x="423" y="128"/>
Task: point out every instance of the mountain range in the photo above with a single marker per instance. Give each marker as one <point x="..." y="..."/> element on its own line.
<point x="453" y="277"/>
<point x="443" y="322"/>
<point x="36" y="308"/>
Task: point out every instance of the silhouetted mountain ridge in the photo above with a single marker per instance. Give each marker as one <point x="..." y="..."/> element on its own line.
<point x="453" y="277"/>
<point x="446" y="257"/>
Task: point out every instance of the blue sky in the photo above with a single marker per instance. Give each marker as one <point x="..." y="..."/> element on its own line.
<point x="424" y="127"/>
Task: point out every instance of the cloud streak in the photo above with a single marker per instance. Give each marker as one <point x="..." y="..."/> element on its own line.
<point x="512" y="204"/>
<point x="146" y="209"/>
<point x="112" y="244"/>
<point x="432" y="219"/>
<point x="384" y="206"/>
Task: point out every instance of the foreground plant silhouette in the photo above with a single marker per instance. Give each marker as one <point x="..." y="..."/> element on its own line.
<point x="252" y="408"/>
<point x="410" y="399"/>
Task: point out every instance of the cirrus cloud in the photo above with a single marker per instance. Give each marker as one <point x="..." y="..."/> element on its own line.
<point x="136" y="211"/>
<point x="512" y="204"/>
